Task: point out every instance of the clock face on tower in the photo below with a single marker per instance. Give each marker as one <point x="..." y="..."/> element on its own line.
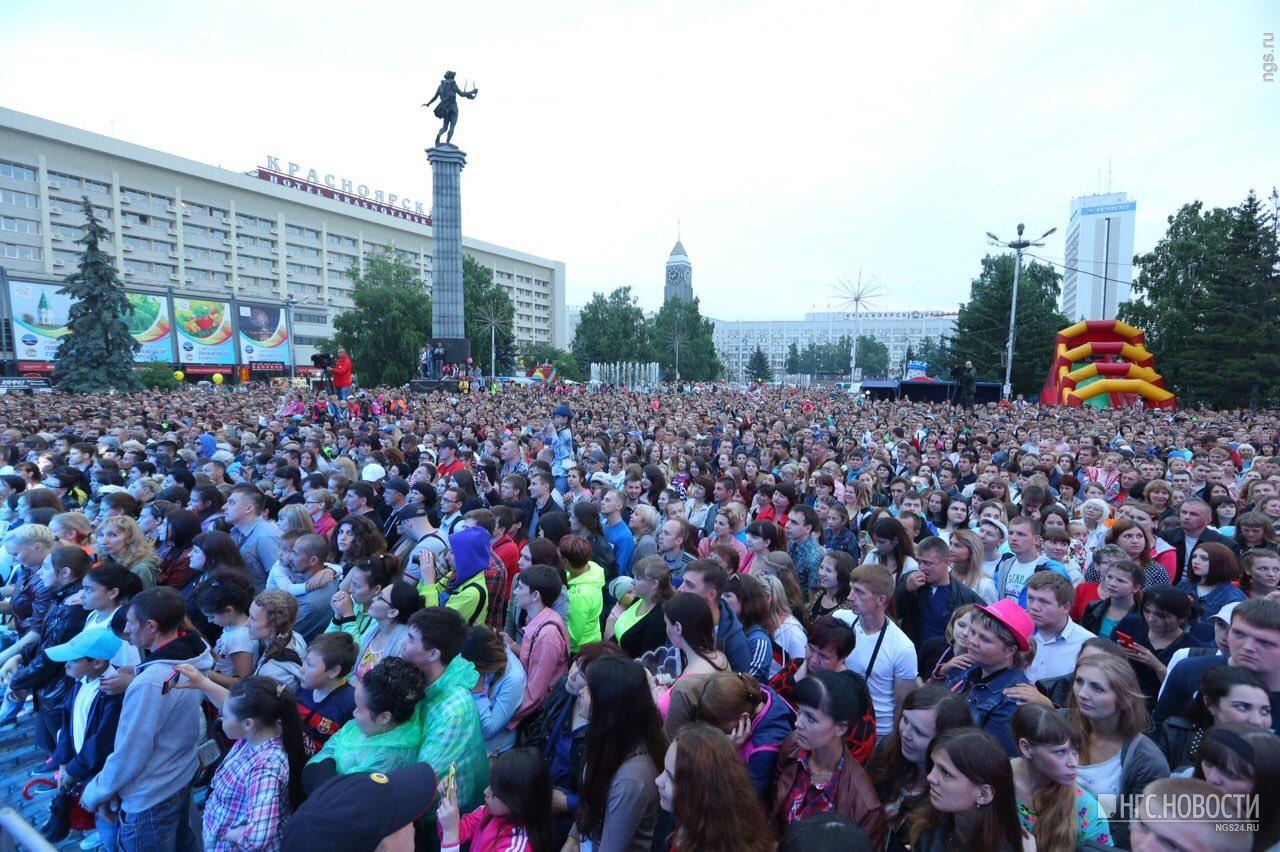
<point x="673" y="275"/>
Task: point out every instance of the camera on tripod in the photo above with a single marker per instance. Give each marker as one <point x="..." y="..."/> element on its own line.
<point x="957" y="371"/>
<point x="322" y="361"/>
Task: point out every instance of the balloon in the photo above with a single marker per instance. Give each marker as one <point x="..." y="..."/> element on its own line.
<point x="179" y="375"/>
<point x="468" y="360"/>
<point x="218" y="378"/>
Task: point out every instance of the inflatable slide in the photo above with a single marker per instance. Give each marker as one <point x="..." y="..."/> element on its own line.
<point x="1104" y="363"/>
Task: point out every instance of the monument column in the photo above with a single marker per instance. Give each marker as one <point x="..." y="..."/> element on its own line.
<point x="446" y="224"/>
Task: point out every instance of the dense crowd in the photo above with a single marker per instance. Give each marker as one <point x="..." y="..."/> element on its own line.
<point x="681" y="618"/>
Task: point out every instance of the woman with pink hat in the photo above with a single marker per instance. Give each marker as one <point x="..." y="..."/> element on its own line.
<point x="1000" y="645"/>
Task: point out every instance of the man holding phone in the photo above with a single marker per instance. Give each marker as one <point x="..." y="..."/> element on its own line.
<point x="147" y="784"/>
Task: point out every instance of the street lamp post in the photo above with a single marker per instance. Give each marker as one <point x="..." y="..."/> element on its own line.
<point x="1018" y="246"/>
<point x="288" y="327"/>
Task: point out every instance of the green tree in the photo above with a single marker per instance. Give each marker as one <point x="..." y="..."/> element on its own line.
<point x="873" y="358"/>
<point x="982" y="327"/>
<point x="488" y="316"/>
<point x="907" y="359"/>
<point x="97" y="353"/>
<point x="611" y="328"/>
<point x="390" y="323"/>
<point x="793" y="364"/>
<point x="933" y="352"/>
<point x="544" y="353"/>
<point x="1208" y="299"/>
<point x="157" y="375"/>
<point x="758" y="369"/>
<point x="679" y="336"/>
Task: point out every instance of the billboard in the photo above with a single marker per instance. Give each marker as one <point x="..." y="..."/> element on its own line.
<point x="262" y="333"/>
<point x="39" y="319"/>
<point x="149" y="325"/>
<point x="204" y="331"/>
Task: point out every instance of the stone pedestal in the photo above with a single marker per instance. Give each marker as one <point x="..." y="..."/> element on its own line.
<point x="447" y="162"/>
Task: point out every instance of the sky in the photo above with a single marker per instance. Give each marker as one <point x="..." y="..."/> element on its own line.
<point x="792" y="146"/>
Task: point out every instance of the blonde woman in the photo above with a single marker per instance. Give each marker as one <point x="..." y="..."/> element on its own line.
<point x="726" y="524"/>
<point x="966" y="564"/>
<point x="73" y="528"/>
<point x="295" y="517"/>
<point x="121" y="539"/>
<point x="784" y="628"/>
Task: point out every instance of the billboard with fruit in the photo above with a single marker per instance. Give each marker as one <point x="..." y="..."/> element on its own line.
<point x="204" y="331"/>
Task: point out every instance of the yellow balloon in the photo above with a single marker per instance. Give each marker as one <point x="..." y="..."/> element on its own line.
<point x="218" y="378"/>
<point x="179" y="375"/>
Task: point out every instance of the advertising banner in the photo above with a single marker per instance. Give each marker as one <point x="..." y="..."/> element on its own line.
<point x="39" y="319"/>
<point x="149" y="325"/>
<point x="204" y="331"/>
<point x="263" y="334"/>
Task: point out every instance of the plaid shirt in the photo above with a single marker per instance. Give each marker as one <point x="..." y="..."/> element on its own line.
<point x="495" y="581"/>
<point x="806" y="798"/>
<point x="250" y="789"/>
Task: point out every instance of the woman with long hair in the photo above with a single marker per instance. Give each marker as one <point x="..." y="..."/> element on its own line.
<point x="833" y="584"/>
<point x="778" y="564"/>
<point x="746" y="599"/>
<point x="1058" y="812"/>
<point x="1166" y="612"/>
<point x="816" y="773"/>
<point x="936" y="505"/>
<point x="618" y="802"/>
<point x="691" y="632"/>
<point x="897" y="768"/>
<point x="636" y="623"/>
<point x="972" y="803"/>
<point x="1116" y="757"/>
<point x="892" y="547"/>
<point x="966" y="563"/>
<point x="120" y="540"/>
<point x="295" y="517"/>
<point x="355" y="538"/>
<point x="1243" y="759"/>
<point x="762" y="537"/>
<point x="1211" y="578"/>
<point x="1253" y="530"/>
<point x="705" y="787"/>
<point x="755" y="719"/>
<point x="271" y="618"/>
<point x="1095" y="513"/>
<point x="1227" y="694"/>
<point x="652" y="481"/>
<point x="788" y="633"/>
<point x="722" y="532"/>
<point x="1259" y="572"/>
<point x="390" y="610"/>
<point x="1137" y="544"/>
<point x="578" y="491"/>
<point x="697" y="506"/>
<point x="500" y="689"/>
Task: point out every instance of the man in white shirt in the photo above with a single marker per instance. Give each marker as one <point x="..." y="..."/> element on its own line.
<point x="1058" y="638"/>
<point x="882" y="652"/>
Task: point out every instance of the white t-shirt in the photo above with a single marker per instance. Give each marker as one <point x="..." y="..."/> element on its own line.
<point x="1016" y="577"/>
<point x="1102" y="779"/>
<point x="896" y="661"/>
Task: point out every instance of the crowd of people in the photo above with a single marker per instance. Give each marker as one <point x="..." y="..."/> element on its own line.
<point x="688" y="618"/>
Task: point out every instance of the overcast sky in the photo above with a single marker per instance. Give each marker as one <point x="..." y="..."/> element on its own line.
<point x="796" y="143"/>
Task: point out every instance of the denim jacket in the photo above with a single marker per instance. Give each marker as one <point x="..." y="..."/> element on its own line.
<point x="990" y="708"/>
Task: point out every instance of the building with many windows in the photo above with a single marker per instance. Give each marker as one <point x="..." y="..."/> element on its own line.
<point x="1099" y="256"/>
<point x="280" y="235"/>
<point x="897" y="330"/>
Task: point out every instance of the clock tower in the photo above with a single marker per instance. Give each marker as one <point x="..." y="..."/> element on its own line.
<point x="679" y="276"/>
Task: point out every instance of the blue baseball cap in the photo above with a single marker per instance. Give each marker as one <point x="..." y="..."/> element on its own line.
<point x="96" y="643"/>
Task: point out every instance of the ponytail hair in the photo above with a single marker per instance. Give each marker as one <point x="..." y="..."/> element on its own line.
<point x="270" y="703"/>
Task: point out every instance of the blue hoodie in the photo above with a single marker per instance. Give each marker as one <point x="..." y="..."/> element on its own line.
<point x="760" y="752"/>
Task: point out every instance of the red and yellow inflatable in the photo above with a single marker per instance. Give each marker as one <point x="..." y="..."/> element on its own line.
<point x="1104" y="363"/>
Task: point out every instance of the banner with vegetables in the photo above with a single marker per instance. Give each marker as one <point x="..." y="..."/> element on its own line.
<point x="39" y="319"/>
<point x="263" y="334"/>
<point x="149" y="325"/>
<point x="204" y="331"/>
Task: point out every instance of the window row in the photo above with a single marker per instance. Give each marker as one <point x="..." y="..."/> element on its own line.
<point x="244" y="220"/>
<point x="147" y="220"/>
<point x="66" y="182"/>
<point x="139" y="196"/>
<point x="302" y="269"/>
<point x="17" y="171"/>
<point x="302" y="251"/>
<point x="208" y="275"/>
<point x="18" y="199"/>
<point x="14" y="252"/>
<point x="299" y="231"/>
<point x="144" y="244"/>
<point x="195" y="253"/>
<point x="200" y="231"/>
<point x="156" y="269"/>
<point x="192" y="209"/>
<point x="339" y="240"/>
<point x="19" y="226"/>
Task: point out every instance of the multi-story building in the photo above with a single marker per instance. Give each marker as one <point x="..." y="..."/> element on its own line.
<point x="897" y="330"/>
<point x="1099" y="256"/>
<point x="281" y="236"/>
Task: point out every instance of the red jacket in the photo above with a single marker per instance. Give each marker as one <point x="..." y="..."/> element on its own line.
<point x="342" y="372"/>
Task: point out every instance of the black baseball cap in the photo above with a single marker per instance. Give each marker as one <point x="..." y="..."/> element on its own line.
<point x="353" y="813"/>
<point x="396" y="484"/>
<point x="411" y="511"/>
